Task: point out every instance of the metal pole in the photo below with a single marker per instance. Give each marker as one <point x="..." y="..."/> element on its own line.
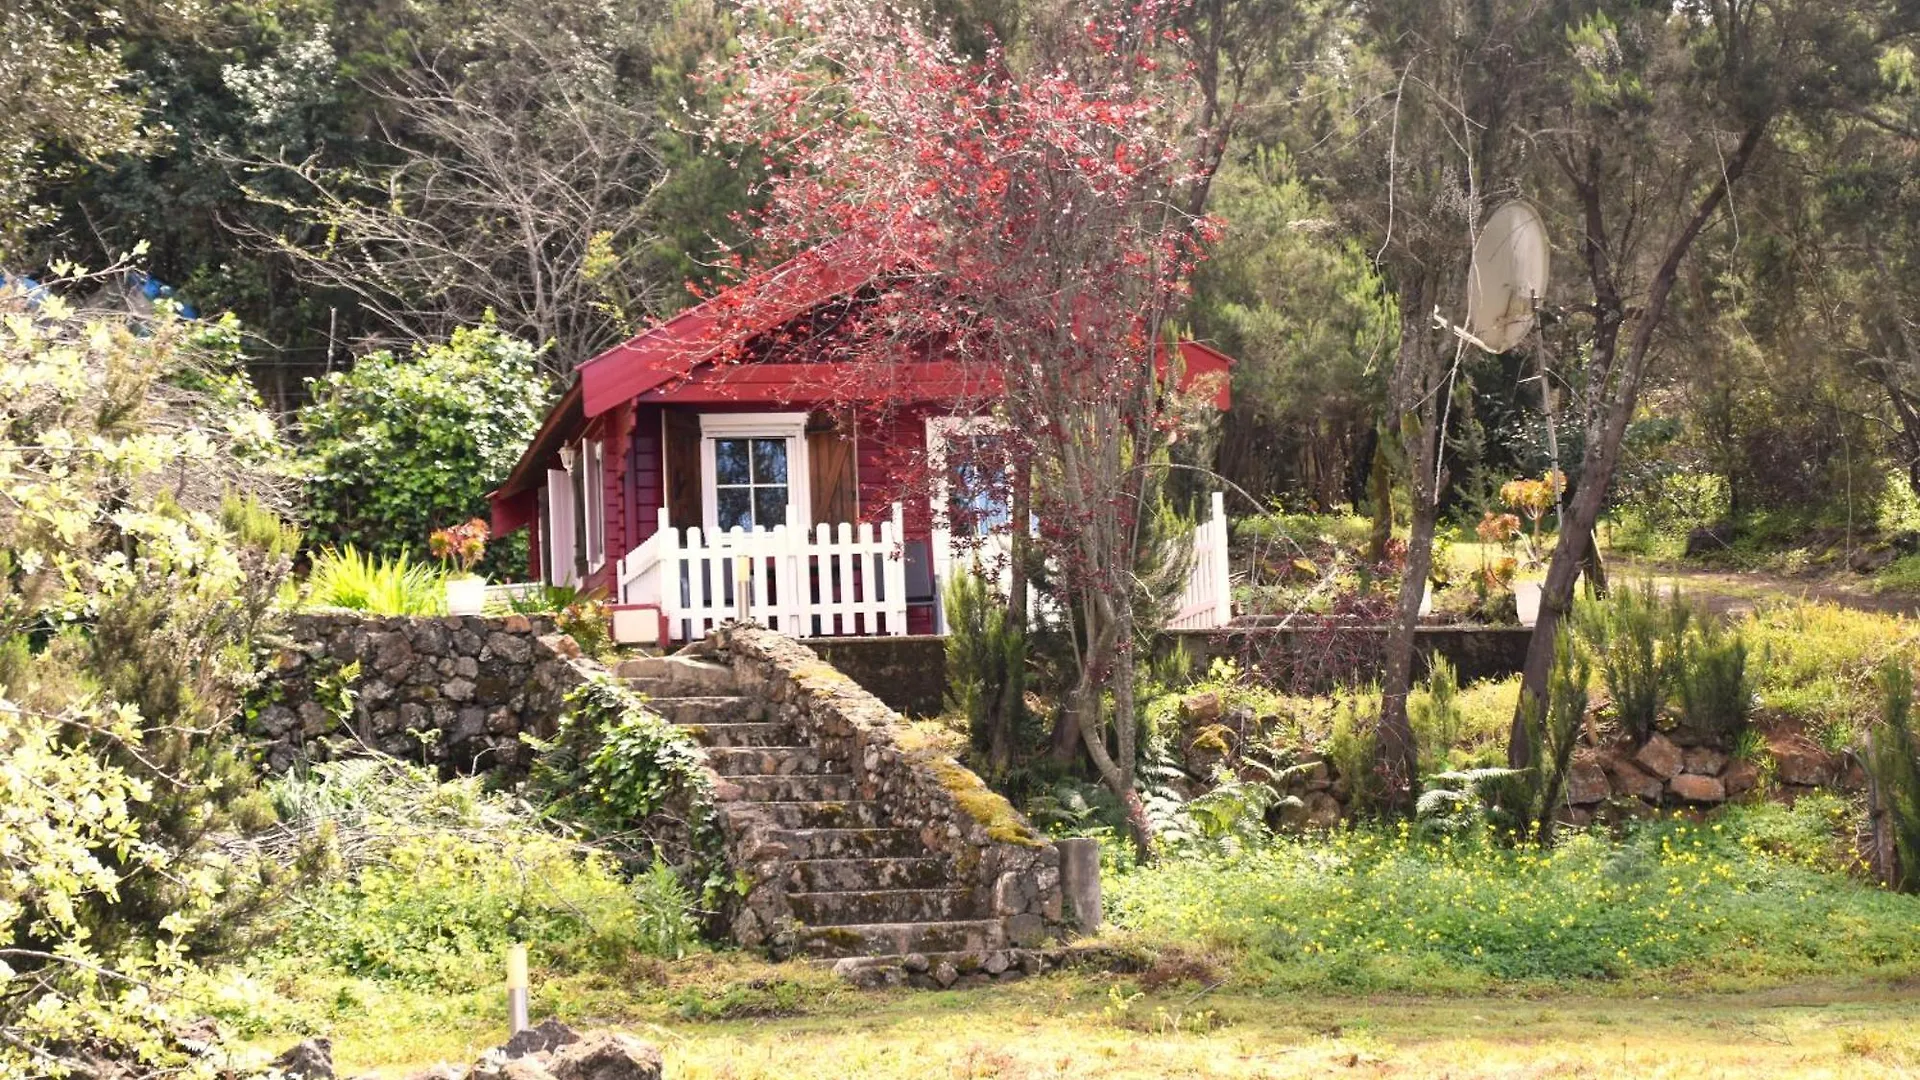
<point x="516" y="989"/>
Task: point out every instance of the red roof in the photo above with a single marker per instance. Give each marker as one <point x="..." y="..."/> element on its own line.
<point x="675" y="348"/>
<point x="674" y="352"/>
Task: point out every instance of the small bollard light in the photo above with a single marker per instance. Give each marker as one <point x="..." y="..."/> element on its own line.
<point x="742" y="587"/>
<point x="516" y="989"/>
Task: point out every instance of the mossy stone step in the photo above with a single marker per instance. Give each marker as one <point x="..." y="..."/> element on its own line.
<point x="804" y="787"/>
<point x="874" y="906"/>
<point x="883" y="939"/>
<point x="745" y="734"/>
<point x="709" y="709"/>
<point x="851" y="843"/>
<point x="676" y="676"/>
<point x="772" y="761"/>
<point x="838" y="814"/>
<point x="840" y="875"/>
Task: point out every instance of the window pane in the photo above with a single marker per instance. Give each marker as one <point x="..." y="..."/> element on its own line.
<point x="770" y="505"/>
<point x="769" y="461"/>
<point x="735" y="506"/>
<point x="730" y="461"/>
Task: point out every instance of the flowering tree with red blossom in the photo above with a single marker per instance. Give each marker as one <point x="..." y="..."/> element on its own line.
<point x="1030" y="221"/>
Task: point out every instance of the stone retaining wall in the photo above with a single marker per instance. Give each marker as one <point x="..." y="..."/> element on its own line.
<point x="1013" y="870"/>
<point x="453" y="692"/>
<point x="1314" y="658"/>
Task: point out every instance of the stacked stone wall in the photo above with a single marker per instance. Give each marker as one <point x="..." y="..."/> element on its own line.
<point x="1013" y="870"/>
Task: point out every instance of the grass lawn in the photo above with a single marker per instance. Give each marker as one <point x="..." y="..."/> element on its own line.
<point x="1072" y="1025"/>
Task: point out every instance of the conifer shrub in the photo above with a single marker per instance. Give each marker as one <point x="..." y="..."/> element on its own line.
<point x="1895" y="763"/>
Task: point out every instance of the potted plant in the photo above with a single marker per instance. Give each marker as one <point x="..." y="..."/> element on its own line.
<point x="460" y="547"/>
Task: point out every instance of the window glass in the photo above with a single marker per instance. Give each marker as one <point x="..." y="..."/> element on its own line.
<point x="978" y="499"/>
<point x="750" y="482"/>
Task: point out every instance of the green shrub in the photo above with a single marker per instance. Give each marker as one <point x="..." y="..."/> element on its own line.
<point x="986" y="667"/>
<point x="1895" y="760"/>
<point x="1716" y="685"/>
<point x="1380" y="909"/>
<point x="1352" y="748"/>
<point x="439" y="910"/>
<point x="1435" y="713"/>
<point x="1822" y="660"/>
<point x="1639" y="639"/>
<point x="398" y="446"/>
<point x="1554" y="730"/>
<point x="346" y="578"/>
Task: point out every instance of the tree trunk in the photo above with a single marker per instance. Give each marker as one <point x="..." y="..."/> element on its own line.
<point x="1417" y="378"/>
<point x="1616" y="392"/>
<point x="1013" y="690"/>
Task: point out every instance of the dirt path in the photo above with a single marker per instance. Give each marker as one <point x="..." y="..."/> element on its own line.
<point x="1737" y="592"/>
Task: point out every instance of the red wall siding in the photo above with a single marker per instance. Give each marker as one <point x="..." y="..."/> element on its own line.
<point x="646" y="487"/>
<point x="891" y="459"/>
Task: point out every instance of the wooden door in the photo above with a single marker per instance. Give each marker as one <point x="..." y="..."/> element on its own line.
<point x="685" y="509"/>
<point x="830" y="474"/>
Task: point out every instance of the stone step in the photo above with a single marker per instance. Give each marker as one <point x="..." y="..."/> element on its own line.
<point x="772" y="761"/>
<point x="842" y="875"/>
<point x="881" y="906"/>
<point x="852" y="843"/>
<point x="738" y="735"/>
<point x="805" y="787"/>
<point x="882" y="939"/>
<point x="707" y="709"/>
<point x="676" y="676"/>
<point x="824" y="814"/>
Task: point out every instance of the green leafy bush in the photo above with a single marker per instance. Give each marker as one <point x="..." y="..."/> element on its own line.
<point x="348" y="578"/>
<point x="439" y="909"/>
<point x="1823" y="660"/>
<point x="399" y="446"/>
<point x="1381" y="909"/>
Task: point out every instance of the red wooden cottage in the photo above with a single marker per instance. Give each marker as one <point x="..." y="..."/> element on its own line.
<point x="719" y="446"/>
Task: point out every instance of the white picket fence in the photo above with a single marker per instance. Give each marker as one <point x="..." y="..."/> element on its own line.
<point x="1207" y="601"/>
<point x="830" y="581"/>
<point x="845" y="580"/>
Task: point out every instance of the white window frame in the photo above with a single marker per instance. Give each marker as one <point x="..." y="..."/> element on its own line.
<point x="791" y="426"/>
<point x="593" y="460"/>
<point x="560" y="561"/>
<point x="940" y="429"/>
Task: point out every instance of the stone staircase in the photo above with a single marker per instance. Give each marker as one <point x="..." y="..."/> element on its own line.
<point x="802" y="815"/>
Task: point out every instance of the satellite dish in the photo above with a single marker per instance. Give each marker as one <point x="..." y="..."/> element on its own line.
<point x="1509" y="274"/>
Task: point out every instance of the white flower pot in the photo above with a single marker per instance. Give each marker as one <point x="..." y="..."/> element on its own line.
<point x="1526" y="601"/>
<point x="466" y="595"/>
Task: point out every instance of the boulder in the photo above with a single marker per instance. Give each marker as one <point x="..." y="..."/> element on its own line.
<point x="606" y="1055"/>
<point x="1659" y="756"/>
<point x="1802" y="764"/>
<point x="916" y="962"/>
<point x="1703" y="761"/>
<point x="1202" y="708"/>
<point x="1709" y="539"/>
<point x="308" y="1059"/>
<point x="1587" y="783"/>
<point x="548" y="1034"/>
<point x="945" y="975"/>
<point x="1323" y="810"/>
<point x="1695" y="788"/>
<point x="1630" y="781"/>
<point x="1740" y="777"/>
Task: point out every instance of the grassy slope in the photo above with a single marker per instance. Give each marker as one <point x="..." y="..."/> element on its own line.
<point x="1066" y="1026"/>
